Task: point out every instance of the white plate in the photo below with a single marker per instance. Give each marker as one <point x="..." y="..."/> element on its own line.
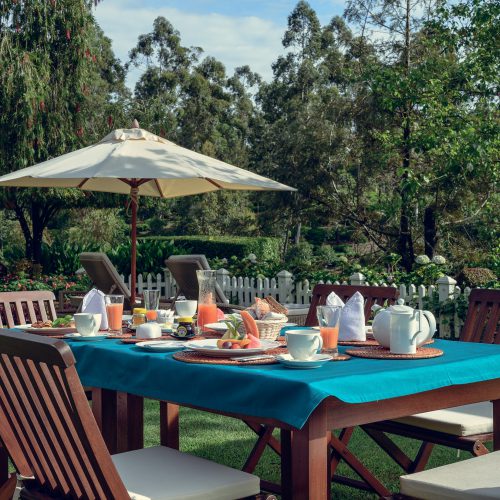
<point x="161" y="345"/>
<point x="47" y="330"/>
<point x="315" y="362"/>
<point x="209" y="348"/>
<point x="164" y="328"/>
<point x="218" y="327"/>
<point x="82" y="338"/>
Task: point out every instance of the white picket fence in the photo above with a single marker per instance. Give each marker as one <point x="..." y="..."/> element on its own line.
<point x="243" y="290"/>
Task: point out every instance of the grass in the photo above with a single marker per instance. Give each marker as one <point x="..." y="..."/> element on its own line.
<point x="229" y="441"/>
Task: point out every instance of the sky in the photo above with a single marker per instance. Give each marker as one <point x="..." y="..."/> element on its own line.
<point x="236" y="32"/>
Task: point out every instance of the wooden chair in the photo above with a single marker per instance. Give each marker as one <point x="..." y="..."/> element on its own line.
<point x="473" y="479"/>
<point x="104" y="275"/>
<point x="372" y="294"/>
<point x="183" y="269"/>
<point x="465" y="427"/>
<point x="49" y="433"/>
<point x="20" y="308"/>
<point x="339" y="445"/>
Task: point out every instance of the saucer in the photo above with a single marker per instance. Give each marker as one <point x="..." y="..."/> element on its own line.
<point x="160" y="345"/>
<point x="315" y="361"/>
<point x="182" y="337"/>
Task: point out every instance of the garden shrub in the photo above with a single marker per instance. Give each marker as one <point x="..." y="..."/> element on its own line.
<point x="476" y="276"/>
<point x="265" y="248"/>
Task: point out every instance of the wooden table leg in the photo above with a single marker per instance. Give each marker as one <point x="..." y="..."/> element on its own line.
<point x="496" y="424"/>
<point x="104" y="408"/>
<point x="169" y="425"/>
<point x="130" y="422"/>
<point x="304" y="459"/>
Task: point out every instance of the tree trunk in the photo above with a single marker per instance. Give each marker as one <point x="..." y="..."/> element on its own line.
<point x="405" y="243"/>
<point x="297" y="233"/>
<point x="430" y="231"/>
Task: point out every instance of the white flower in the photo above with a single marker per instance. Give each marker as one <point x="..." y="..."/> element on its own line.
<point x="422" y="259"/>
<point x="439" y="259"/>
<point x="252" y="258"/>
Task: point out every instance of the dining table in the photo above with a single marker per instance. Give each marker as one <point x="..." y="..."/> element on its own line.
<point x="306" y="405"/>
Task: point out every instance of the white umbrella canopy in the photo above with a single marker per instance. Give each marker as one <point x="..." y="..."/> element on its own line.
<point x="139" y="163"/>
<point x="168" y="170"/>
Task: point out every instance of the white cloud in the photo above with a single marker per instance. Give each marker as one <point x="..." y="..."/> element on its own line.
<point x="235" y="41"/>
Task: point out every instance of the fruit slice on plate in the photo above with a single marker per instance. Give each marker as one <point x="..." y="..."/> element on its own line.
<point x="209" y="347"/>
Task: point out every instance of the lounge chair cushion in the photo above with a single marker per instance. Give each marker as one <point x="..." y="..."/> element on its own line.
<point x="474" y="478"/>
<point x="161" y="473"/>
<point x="467" y="420"/>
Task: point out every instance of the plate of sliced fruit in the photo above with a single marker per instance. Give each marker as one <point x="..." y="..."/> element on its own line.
<point x="230" y="348"/>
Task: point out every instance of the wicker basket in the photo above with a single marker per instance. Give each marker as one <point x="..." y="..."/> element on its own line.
<point x="269" y="329"/>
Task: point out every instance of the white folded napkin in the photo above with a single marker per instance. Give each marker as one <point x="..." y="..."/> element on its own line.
<point x="352" y="321"/>
<point x="334" y="300"/>
<point x="94" y="303"/>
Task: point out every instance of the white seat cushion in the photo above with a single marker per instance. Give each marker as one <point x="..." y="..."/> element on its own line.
<point x="470" y="479"/>
<point x="161" y="473"/>
<point x="466" y="420"/>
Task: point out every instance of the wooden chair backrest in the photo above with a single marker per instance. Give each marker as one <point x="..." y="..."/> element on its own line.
<point x="183" y="269"/>
<point x="47" y="425"/>
<point x="372" y="295"/>
<point x="482" y="323"/>
<point x="20" y="308"/>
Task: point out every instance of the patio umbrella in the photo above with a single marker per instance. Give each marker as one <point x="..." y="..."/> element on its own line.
<point x="139" y="163"/>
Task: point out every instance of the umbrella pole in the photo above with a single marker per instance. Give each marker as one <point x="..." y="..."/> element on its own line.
<point x="134" y="200"/>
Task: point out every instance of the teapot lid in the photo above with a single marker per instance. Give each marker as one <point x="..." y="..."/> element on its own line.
<point x="401" y="309"/>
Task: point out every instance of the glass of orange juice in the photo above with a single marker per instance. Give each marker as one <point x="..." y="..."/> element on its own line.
<point x="329" y="321"/>
<point x="207" y="308"/>
<point x="114" y="310"/>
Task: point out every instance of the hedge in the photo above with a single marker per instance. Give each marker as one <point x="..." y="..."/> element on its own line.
<point x="264" y="248"/>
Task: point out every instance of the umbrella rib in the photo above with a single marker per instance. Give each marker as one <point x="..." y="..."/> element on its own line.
<point x="159" y="188"/>
<point x="214" y="183"/>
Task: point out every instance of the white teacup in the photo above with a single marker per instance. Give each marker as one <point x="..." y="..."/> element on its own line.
<point x="87" y="324"/>
<point x="303" y="344"/>
<point x="186" y="308"/>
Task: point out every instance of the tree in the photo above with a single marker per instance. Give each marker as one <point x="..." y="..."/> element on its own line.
<point x="191" y="100"/>
<point x="57" y="72"/>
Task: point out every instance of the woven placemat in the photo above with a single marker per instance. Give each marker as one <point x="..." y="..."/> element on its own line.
<point x="196" y="357"/>
<point x="369" y="342"/>
<point x="378" y="352"/>
<point x="135" y="340"/>
<point x="339" y="357"/>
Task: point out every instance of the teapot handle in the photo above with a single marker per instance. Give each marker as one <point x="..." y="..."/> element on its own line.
<point x="432" y="323"/>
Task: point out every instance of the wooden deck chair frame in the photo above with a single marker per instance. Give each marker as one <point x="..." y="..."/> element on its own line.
<point x="104" y="275"/>
<point x="482" y="324"/>
<point x="183" y="269"/>
<point x="338" y="445"/>
<point x="20" y="308"/>
<point x="48" y="429"/>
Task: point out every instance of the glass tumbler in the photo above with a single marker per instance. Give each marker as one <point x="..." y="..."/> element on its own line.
<point x="151" y="303"/>
<point x="114" y="311"/>
<point x="329" y="322"/>
<point x="207" y="308"/>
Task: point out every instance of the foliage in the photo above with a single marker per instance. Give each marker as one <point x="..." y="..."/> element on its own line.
<point x="225" y="246"/>
<point x="57" y="74"/>
<point x="55" y="283"/>
<point x="476" y="277"/>
<point x="245" y="267"/>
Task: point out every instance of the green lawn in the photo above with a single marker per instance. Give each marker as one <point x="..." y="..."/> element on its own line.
<point x="229" y="441"/>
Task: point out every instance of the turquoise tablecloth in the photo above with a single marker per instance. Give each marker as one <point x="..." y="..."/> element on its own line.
<point x="272" y="390"/>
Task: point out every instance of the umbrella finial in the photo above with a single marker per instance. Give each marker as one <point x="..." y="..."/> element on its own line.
<point x="135" y="123"/>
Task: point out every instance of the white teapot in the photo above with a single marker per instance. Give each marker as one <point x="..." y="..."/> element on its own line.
<point x="421" y="324"/>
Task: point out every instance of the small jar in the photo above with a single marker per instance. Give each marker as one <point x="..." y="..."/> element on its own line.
<point x="138" y="319"/>
<point x="186" y="327"/>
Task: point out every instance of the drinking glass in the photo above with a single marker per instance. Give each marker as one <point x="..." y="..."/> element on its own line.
<point x="207" y="308"/>
<point x="114" y="311"/>
<point x="329" y="321"/>
<point x="151" y="303"/>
